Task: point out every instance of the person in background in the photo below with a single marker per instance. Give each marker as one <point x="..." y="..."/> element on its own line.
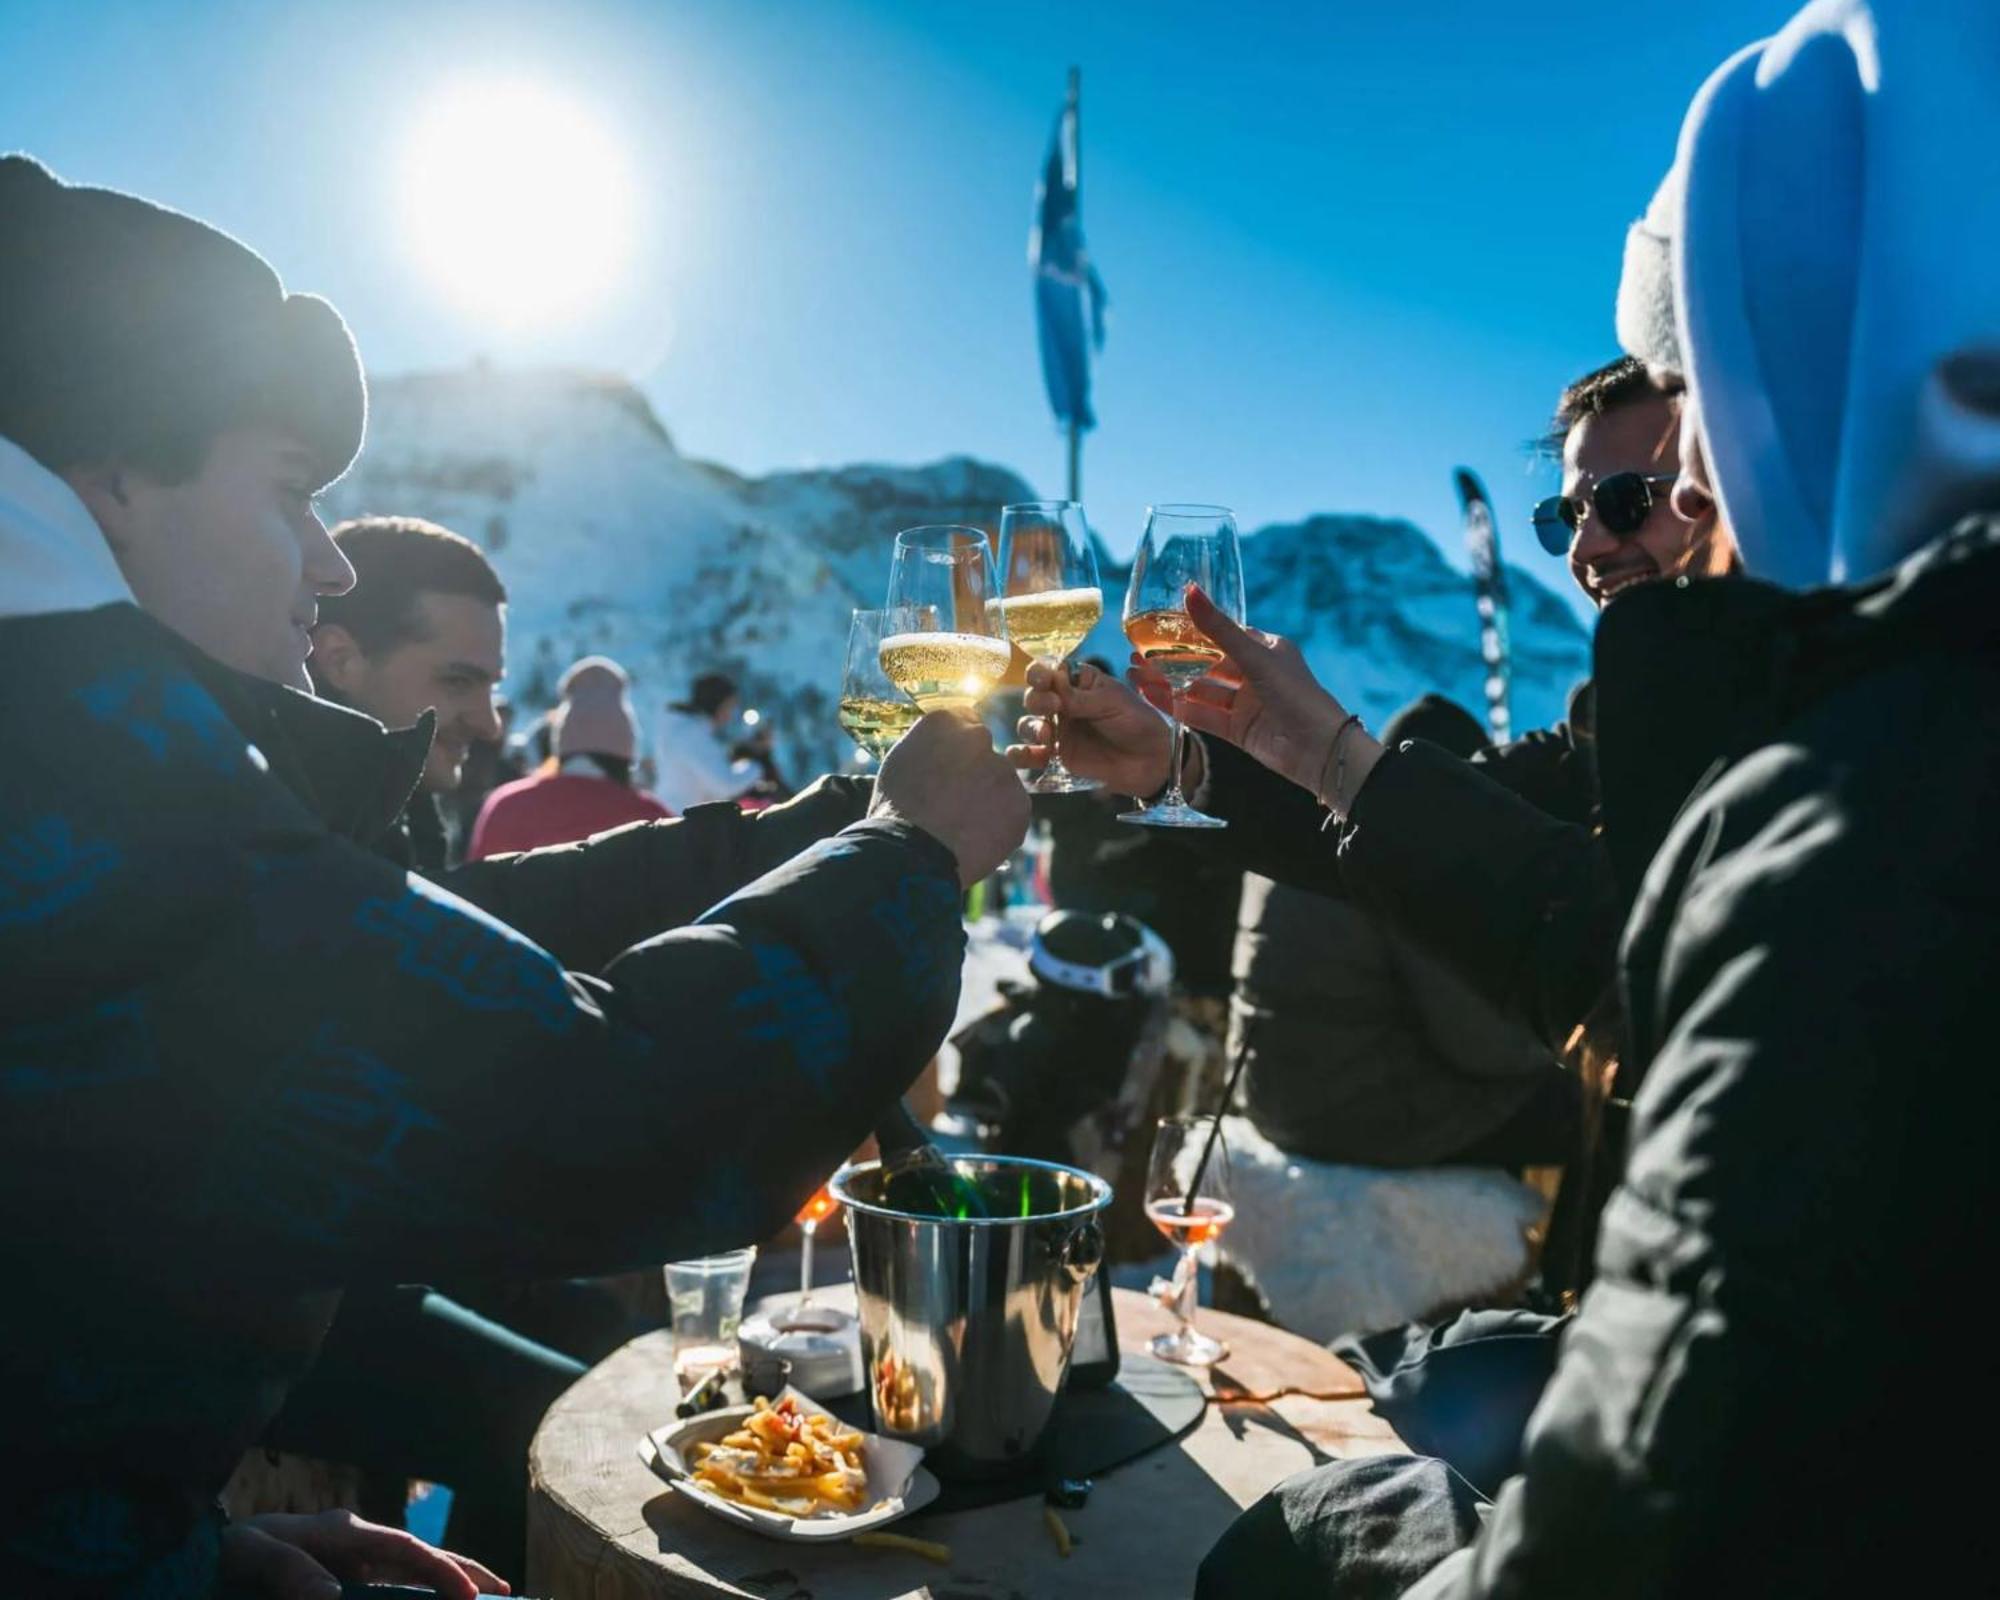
<point x="693" y="767"/>
<point x="590" y="789"/>
<point x="1360" y="1049"/>
<point x="423" y="629"/>
<point x="489" y="764"/>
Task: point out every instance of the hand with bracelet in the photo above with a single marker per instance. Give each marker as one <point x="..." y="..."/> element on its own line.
<point x="1262" y="698"/>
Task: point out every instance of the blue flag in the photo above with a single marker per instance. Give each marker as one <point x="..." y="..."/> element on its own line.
<point x="1069" y="296"/>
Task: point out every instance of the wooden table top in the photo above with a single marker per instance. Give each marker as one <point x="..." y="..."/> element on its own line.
<point x="601" y="1526"/>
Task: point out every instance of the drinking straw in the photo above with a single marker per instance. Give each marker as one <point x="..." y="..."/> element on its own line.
<point x="1214" y="1134"/>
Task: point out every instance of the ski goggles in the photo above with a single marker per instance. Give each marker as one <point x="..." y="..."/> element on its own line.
<point x="1621" y="503"/>
<point x="1113" y="980"/>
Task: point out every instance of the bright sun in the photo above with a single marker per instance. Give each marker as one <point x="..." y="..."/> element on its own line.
<point x="517" y="201"/>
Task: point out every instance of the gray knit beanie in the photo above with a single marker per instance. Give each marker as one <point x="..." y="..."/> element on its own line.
<point x="130" y="333"/>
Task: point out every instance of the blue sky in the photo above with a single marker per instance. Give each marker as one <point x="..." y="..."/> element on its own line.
<point x="1349" y="245"/>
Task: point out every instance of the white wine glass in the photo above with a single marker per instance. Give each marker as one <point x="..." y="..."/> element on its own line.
<point x="1049" y="592"/>
<point x="1183" y="545"/>
<point x="956" y="649"/>
<point x="873" y="712"/>
<point x="1187" y="1199"/>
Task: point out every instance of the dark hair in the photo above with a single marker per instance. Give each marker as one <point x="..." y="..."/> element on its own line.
<point x="1612" y="385"/>
<point x="1439" y="721"/>
<point x="617" y="768"/>
<point x="131" y="335"/>
<point x="712" y="691"/>
<point x="396" y="559"/>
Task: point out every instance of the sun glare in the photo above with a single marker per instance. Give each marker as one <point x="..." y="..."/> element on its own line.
<point x="517" y="201"/>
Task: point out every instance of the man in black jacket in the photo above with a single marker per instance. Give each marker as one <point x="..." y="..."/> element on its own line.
<point x="1810" y="1185"/>
<point x="249" y="1061"/>
<point x="1497" y="866"/>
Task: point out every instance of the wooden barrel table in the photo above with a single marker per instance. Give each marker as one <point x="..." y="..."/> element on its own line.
<point x="601" y="1526"/>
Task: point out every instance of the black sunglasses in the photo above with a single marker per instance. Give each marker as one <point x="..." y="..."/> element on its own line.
<point x="1621" y="502"/>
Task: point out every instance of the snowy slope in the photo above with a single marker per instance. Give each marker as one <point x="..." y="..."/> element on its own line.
<point x="611" y="541"/>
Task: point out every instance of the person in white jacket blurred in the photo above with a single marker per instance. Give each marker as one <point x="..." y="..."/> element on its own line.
<point x="694" y="765"/>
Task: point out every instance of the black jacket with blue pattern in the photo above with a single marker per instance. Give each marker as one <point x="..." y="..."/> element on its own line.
<point x="245" y="1061"/>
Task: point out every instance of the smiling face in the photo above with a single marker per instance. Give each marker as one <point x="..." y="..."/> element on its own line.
<point x="1640" y="434"/>
<point x="450" y="659"/>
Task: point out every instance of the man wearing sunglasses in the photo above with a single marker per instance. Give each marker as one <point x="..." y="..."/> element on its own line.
<point x="1500" y="867"/>
<point x="1617" y="433"/>
<point x="1522" y="900"/>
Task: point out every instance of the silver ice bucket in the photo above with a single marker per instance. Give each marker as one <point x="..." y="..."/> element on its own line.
<point x="966" y="1326"/>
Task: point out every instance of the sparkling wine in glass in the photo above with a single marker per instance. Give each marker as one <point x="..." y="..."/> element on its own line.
<point x="956" y="649"/>
<point x="1049" y="592"/>
<point x="1189" y="1203"/>
<point x="1183" y="545"/>
<point x="873" y="712"/>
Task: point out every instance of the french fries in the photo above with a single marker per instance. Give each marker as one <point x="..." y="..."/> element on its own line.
<point x="929" y="1549"/>
<point x="796" y="1463"/>
<point x="1058" y="1531"/>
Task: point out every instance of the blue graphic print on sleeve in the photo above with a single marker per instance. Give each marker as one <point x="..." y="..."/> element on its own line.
<point x="45" y="869"/>
<point x="928" y="965"/>
<point x="166" y="713"/>
<point x="333" y="1134"/>
<point x="793" y="1006"/>
<point x="105" y="1045"/>
<point x="480" y="963"/>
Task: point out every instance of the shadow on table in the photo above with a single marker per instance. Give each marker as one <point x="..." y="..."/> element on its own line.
<point x="1145" y="1530"/>
<point x="1241" y="1418"/>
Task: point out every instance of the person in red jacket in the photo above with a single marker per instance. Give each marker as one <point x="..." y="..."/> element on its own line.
<point x="588" y="788"/>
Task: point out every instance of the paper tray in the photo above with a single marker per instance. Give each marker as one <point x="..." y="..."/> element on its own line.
<point x="897" y="1481"/>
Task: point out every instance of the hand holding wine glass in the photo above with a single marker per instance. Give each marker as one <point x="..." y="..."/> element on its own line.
<point x="1184" y="547"/>
<point x="1187" y="1199"/>
<point x="1050" y="598"/>
<point x="1264" y="699"/>
<point x="944" y="777"/>
<point x="1107" y="731"/>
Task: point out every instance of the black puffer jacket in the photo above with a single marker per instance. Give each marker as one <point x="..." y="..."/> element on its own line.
<point x="1808" y="1204"/>
<point x="1494" y="866"/>
<point x="244" y="1061"/>
<point x="1359" y="1048"/>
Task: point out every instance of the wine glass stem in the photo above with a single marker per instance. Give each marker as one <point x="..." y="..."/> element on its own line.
<point x="1184" y="1308"/>
<point x="1055" y="768"/>
<point x="807" y="1230"/>
<point x="1173" y="796"/>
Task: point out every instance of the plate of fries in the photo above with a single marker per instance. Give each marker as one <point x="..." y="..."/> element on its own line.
<point x="789" y="1469"/>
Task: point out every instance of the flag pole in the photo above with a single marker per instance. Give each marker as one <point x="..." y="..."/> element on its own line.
<point x="1076" y="128"/>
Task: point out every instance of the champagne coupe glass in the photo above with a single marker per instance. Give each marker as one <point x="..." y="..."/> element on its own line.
<point x="874" y="713"/>
<point x="956" y="650"/>
<point x="1048" y="579"/>
<point x="1183" y="545"/>
<point x="1187" y="1199"/>
<point x="815" y="1211"/>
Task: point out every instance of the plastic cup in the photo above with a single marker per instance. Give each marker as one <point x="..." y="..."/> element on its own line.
<point x="706" y="1299"/>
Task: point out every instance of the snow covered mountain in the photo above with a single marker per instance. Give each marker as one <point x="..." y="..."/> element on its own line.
<point x="612" y="542"/>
